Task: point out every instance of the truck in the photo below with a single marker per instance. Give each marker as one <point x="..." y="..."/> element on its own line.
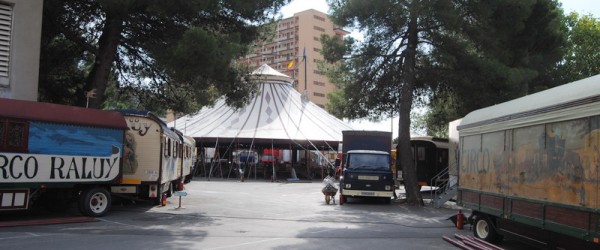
<point x="53" y="154"/>
<point x="366" y="165"/>
<point x="528" y="168"/>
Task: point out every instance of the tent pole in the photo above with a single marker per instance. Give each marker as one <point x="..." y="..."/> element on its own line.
<point x="212" y="161"/>
<point x="273" y="176"/>
<point x="307" y="162"/>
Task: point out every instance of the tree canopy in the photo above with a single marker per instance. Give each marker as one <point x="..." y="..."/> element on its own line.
<point x="582" y="57"/>
<point x="177" y="54"/>
<point x="460" y="53"/>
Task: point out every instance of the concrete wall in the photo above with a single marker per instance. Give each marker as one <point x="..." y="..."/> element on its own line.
<point x="24" y="54"/>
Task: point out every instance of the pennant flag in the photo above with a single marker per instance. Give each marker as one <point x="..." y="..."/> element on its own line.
<point x="304" y="54"/>
<point x="291" y="64"/>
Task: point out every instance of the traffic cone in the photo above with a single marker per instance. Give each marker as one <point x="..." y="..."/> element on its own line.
<point x="460" y="220"/>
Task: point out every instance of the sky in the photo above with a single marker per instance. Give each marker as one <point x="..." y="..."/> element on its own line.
<point x="581" y="6"/>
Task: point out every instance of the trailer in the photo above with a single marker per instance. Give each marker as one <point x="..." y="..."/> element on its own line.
<point x="152" y="158"/>
<point x="430" y="156"/>
<point x="54" y="154"/>
<point x="528" y="168"/>
<point x="366" y="165"/>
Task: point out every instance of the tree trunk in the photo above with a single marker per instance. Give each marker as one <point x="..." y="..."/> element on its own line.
<point x="413" y="194"/>
<point x="97" y="80"/>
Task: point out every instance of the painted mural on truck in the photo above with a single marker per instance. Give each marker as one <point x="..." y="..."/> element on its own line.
<point x="560" y="157"/>
<point x="64" y="153"/>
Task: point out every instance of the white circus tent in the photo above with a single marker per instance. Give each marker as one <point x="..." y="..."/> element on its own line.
<point x="278" y="115"/>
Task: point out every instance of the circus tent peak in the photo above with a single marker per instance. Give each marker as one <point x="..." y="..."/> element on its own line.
<point x="266" y="73"/>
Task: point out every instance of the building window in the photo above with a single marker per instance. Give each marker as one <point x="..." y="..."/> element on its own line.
<point x="319" y="83"/>
<point x="319" y="94"/>
<point x="13" y="135"/>
<point x="319" y="18"/>
<point x="6" y="12"/>
<point x="318" y="72"/>
<point x="316" y="49"/>
<point x="316" y="38"/>
<point x="319" y="28"/>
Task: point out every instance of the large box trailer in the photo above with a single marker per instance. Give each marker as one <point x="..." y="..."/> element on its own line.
<point x="529" y="168"/>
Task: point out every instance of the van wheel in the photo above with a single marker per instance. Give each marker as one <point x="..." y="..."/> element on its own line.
<point x="95" y="202"/>
<point x="485" y="230"/>
<point x="387" y="200"/>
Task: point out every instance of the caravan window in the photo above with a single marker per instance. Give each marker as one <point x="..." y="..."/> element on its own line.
<point x="13" y="135"/>
<point x="167" y="146"/>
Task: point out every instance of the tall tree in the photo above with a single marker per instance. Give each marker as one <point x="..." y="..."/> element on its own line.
<point x="413" y="48"/>
<point x="582" y="57"/>
<point x="177" y="53"/>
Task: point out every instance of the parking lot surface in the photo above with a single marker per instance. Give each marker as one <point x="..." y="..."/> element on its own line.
<point x="228" y="214"/>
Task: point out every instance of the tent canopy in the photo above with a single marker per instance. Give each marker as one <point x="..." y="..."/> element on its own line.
<point x="278" y="116"/>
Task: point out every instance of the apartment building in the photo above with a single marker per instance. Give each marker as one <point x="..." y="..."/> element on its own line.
<point x="20" y="33"/>
<point x="297" y="39"/>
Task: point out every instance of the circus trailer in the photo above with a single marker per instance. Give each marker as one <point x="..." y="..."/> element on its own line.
<point x="53" y="154"/>
<point x="430" y="157"/>
<point x="366" y="165"/>
<point x="528" y="168"/>
<point x="152" y="166"/>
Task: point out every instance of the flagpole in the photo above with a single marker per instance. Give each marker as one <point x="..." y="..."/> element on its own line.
<point x="304" y="58"/>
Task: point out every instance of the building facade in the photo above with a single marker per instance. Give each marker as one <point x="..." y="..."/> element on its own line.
<point x="20" y="34"/>
<point x="295" y="51"/>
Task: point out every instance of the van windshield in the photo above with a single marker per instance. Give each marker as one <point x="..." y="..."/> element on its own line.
<point x="368" y="161"/>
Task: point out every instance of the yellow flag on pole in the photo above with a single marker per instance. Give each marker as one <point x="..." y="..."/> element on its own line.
<point x="291" y="64"/>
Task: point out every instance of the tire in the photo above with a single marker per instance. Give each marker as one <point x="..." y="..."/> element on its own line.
<point x="157" y="200"/>
<point x="95" y="202"/>
<point x="484" y="229"/>
<point x="387" y="200"/>
<point x="170" y="191"/>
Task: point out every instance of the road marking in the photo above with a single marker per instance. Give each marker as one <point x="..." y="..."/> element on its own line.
<point x="325" y="230"/>
<point x="119" y="223"/>
<point x="19" y="237"/>
<point x="245" y="244"/>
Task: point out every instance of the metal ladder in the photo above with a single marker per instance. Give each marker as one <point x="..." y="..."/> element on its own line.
<point x="445" y="191"/>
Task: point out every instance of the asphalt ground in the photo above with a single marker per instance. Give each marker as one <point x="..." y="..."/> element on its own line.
<point x="255" y="214"/>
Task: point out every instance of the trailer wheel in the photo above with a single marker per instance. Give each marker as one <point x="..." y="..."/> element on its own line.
<point x="95" y="202"/>
<point x="484" y="229"/>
